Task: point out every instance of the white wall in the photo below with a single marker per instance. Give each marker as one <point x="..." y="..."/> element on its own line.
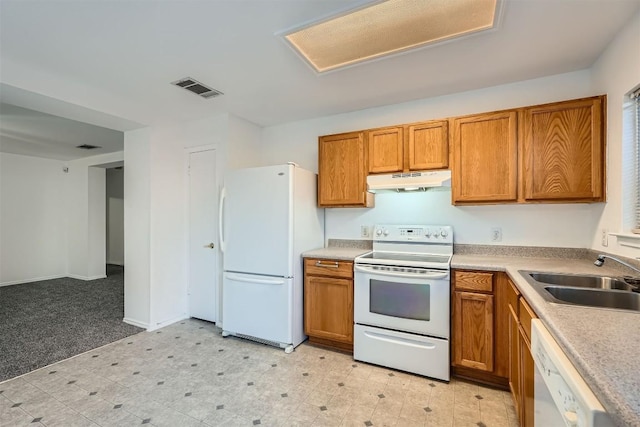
<point x="97" y="222"/>
<point x="136" y="227"/>
<point x="33" y="235"/>
<point x="617" y="72"/>
<point x="568" y="225"/>
<point x="86" y="217"/>
<point x="161" y="152"/>
<point x="115" y="216"/>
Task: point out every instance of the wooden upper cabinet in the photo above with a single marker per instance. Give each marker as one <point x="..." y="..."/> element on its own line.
<point x="385" y="150"/>
<point x="563" y="151"/>
<point x="484" y="158"/>
<point x="341" y="171"/>
<point x="415" y="147"/>
<point x="428" y="145"/>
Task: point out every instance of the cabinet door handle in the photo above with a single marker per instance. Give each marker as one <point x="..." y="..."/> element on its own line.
<point x="321" y="264"/>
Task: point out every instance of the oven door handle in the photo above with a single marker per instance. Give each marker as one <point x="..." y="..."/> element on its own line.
<point x="371" y="270"/>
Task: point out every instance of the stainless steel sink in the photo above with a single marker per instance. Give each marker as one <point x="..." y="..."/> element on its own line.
<point x="582" y="281"/>
<point x="585" y="290"/>
<point x="596" y="298"/>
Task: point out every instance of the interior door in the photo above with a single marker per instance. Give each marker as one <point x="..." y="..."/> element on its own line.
<point x="203" y="220"/>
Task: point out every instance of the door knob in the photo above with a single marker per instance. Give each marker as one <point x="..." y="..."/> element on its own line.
<point x="210" y="246"/>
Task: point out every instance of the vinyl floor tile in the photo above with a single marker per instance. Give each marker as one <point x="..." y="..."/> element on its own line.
<point x="186" y="374"/>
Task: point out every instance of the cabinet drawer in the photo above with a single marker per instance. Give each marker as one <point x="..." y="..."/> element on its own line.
<point x="328" y="267"/>
<point x="473" y="281"/>
<point x="525" y="316"/>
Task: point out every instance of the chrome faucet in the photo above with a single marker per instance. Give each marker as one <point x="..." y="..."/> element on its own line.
<point x="598" y="262"/>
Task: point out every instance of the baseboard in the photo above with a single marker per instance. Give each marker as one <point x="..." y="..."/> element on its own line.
<point x="167" y="322"/>
<point x="86" y="278"/>
<point x="35" y="279"/>
<point x="137" y="323"/>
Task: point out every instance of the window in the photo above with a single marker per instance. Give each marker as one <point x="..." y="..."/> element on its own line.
<point x="631" y="162"/>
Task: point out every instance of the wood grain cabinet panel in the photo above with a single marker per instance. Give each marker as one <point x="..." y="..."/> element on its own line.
<point x="563" y="149"/>
<point x="514" y="359"/>
<point x="484" y="158"/>
<point x="385" y="150"/>
<point x="328" y="302"/>
<point x="329" y="308"/>
<point x="473" y="281"/>
<point x="428" y="144"/>
<point x="527" y="365"/>
<point x="521" y="365"/>
<point x="473" y="330"/>
<point x="341" y="171"/>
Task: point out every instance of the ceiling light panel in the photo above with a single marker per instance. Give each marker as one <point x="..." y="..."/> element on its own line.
<point x="389" y="27"/>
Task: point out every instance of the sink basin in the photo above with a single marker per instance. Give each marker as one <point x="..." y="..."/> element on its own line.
<point x="594" y="298"/>
<point x="586" y="290"/>
<point x="582" y="281"/>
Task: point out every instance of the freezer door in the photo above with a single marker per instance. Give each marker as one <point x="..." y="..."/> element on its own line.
<point x="257" y="221"/>
<point x="258" y="306"/>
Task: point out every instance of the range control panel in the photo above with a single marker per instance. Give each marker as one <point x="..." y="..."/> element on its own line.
<point x="413" y="233"/>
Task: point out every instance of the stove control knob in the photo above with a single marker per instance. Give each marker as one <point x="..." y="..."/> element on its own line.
<point x="427" y="233"/>
<point x="378" y="232"/>
<point x="386" y="232"/>
<point x="444" y="233"/>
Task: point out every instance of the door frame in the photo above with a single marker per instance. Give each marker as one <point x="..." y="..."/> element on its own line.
<point x="219" y="175"/>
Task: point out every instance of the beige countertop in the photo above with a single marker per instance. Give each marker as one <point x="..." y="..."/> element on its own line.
<point x="340" y="253"/>
<point x="603" y="344"/>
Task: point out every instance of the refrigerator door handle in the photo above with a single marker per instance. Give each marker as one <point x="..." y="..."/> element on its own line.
<point x="239" y="278"/>
<point x="223" y="195"/>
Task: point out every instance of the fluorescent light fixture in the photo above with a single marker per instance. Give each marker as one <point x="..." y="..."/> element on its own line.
<point x="389" y="27"/>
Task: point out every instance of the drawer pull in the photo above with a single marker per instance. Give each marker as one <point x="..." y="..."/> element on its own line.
<point x="321" y="264"/>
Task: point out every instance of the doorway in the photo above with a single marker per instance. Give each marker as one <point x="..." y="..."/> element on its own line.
<point x="203" y="235"/>
<point x="115" y="218"/>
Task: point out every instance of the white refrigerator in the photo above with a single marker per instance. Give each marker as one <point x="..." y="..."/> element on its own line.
<point x="269" y="216"/>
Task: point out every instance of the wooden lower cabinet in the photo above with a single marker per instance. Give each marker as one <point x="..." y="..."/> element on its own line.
<point x="527" y="369"/>
<point x="521" y="365"/>
<point x="473" y="330"/>
<point x="514" y="345"/>
<point x="480" y="331"/>
<point x="328" y="302"/>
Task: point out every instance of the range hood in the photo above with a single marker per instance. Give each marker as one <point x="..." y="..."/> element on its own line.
<point x="410" y="181"/>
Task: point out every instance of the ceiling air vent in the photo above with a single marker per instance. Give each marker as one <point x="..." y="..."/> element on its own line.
<point x="88" y="146"/>
<point x="196" y="87"/>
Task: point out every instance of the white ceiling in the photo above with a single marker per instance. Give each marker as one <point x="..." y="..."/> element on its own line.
<point x="32" y="133"/>
<point x="118" y="57"/>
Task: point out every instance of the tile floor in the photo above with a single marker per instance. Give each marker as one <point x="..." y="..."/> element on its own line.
<point x="186" y="374"/>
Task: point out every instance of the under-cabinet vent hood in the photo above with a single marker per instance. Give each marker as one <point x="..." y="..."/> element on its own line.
<point x="410" y="181"/>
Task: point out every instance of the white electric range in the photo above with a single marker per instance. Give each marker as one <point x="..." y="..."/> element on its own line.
<point x="402" y="298"/>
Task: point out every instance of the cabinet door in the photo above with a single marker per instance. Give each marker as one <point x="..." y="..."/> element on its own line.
<point x="428" y="145"/>
<point x="514" y="360"/>
<point x="484" y="167"/>
<point x="473" y="330"/>
<point x="385" y="150"/>
<point x="341" y="170"/>
<point x="328" y="308"/>
<point x="563" y="151"/>
<point x="527" y="381"/>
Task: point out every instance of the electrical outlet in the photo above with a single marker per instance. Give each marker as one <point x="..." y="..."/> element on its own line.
<point x="365" y="231"/>
<point x="496" y="234"/>
<point x="605" y="237"/>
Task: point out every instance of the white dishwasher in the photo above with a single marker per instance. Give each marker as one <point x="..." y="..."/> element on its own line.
<point x="561" y="395"/>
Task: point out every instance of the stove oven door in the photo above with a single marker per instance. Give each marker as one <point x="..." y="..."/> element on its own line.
<point x="405" y="299"/>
